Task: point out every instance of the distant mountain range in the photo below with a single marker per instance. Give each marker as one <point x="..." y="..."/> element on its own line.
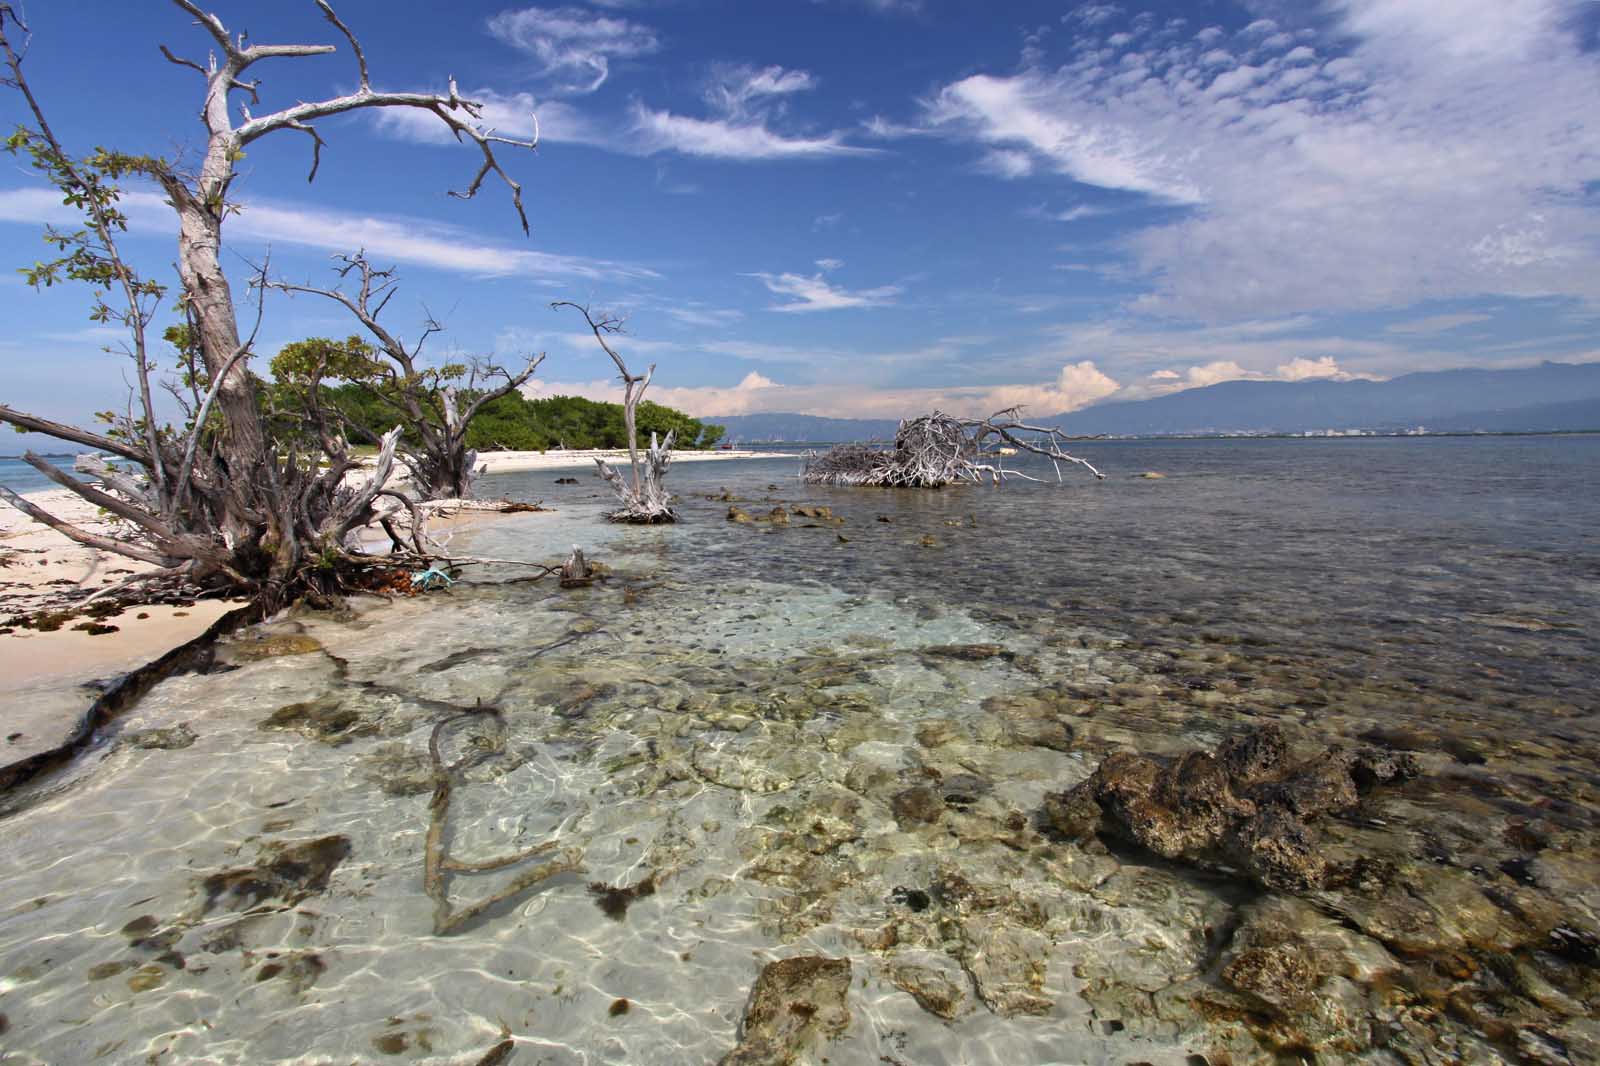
<point x="1545" y="398"/>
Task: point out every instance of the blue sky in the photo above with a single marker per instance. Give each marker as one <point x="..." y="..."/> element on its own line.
<point x="871" y="207"/>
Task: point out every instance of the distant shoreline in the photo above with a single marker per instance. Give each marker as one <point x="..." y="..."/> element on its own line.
<point x="1304" y="435"/>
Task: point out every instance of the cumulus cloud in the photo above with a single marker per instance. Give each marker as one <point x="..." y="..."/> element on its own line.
<point x="1168" y="380"/>
<point x="1413" y="151"/>
<point x="750" y="394"/>
<point x="1077" y="385"/>
<point x="573" y="47"/>
<point x="815" y="293"/>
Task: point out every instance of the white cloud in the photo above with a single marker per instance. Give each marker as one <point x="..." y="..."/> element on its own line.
<point x="750" y="394"/>
<point x="718" y="138"/>
<point x="509" y="114"/>
<point x="745" y="134"/>
<point x="814" y="293"/>
<point x="1079" y="213"/>
<point x="825" y="265"/>
<point x="385" y="238"/>
<point x="1303" y="369"/>
<point x="99" y="336"/>
<point x="1074" y="387"/>
<point x="1437" y="323"/>
<point x="735" y="89"/>
<point x="571" y="43"/>
<point x="1093" y="14"/>
<point x="1077" y="385"/>
<point x="748" y="106"/>
<point x="1447" y="152"/>
<point x="1021" y="115"/>
<point x="1006" y="163"/>
<point x="702" y="316"/>
<point x="910" y="7"/>
<point x="1462" y="29"/>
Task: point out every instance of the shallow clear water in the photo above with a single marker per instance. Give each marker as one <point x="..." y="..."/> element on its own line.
<point x="733" y="715"/>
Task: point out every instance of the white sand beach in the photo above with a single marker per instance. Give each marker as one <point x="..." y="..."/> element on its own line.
<point x="512" y="462"/>
<point x="49" y="675"/>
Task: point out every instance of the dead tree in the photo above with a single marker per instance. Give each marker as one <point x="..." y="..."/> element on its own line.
<point x="433" y="412"/>
<point x="939" y="449"/>
<point x="220" y="503"/>
<point x="644" y="497"/>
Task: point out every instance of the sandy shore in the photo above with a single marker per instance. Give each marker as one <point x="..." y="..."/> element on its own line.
<point x="52" y="676"/>
<point x="511" y="462"/>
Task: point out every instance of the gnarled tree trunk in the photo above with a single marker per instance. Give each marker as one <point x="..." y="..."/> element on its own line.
<point x="225" y="504"/>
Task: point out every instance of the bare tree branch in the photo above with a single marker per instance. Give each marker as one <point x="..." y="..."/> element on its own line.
<point x="60" y="431"/>
<point x="647" y="499"/>
<point x="355" y="45"/>
<point x="180" y="61"/>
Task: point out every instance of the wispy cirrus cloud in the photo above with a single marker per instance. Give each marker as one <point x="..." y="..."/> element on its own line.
<point x="815" y="293"/>
<point x="748" y="120"/>
<point x="405" y="240"/>
<point x="1383" y="153"/>
<point x="572" y="47"/>
<point x="518" y="115"/>
<point x="1437" y="323"/>
<point x="721" y="138"/>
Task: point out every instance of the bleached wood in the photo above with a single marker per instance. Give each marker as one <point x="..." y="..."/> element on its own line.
<point x="940" y="449"/>
<point x="645" y="499"/>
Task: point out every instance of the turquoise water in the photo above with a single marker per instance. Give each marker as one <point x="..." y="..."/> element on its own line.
<point x="734" y="716"/>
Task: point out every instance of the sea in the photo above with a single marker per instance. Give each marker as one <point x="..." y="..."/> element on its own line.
<point x="18" y="476"/>
<point x="509" y="822"/>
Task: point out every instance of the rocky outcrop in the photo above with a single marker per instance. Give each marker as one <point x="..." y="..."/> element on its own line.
<point x="795" y="1004"/>
<point x="1249" y="805"/>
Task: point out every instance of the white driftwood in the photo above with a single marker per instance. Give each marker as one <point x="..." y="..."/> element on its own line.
<point x="940" y="449"/>
<point x="644" y="497"/>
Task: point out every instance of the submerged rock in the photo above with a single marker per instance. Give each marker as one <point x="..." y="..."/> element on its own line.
<point x="917" y="805"/>
<point x="172" y="738"/>
<point x="285" y="875"/>
<point x="271" y="646"/>
<point x="933" y="980"/>
<point x="1247" y="806"/>
<point x="796" y="1003"/>
<point x="1007" y="963"/>
<point x="328" y="720"/>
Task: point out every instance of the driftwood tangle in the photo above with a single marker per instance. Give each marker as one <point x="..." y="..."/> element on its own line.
<point x="939" y="449"/>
